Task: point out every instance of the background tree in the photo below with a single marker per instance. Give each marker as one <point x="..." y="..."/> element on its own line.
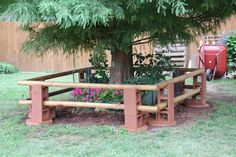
<point x="115" y="25"/>
<point x="4" y="4"/>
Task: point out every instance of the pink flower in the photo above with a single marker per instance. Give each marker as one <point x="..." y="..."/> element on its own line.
<point x="86" y="97"/>
<point x="91" y="94"/>
<point x="116" y="92"/>
<point x="91" y="89"/>
<point x="98" y="90"/>
<point x="77" y="91"/>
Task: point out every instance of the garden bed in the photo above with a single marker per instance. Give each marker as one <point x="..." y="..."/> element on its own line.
<point x="136" y="115"/>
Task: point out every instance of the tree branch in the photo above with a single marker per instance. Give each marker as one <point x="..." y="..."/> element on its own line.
<point x="138" y="41"/>
<point x="145" y="42"/>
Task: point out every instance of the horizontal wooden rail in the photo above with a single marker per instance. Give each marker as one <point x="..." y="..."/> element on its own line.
<point x="88" y="85"/>
<point x="25" y="102"/>
<point x="150" y="109"/>
<point x="94" y="105"/>
<point x="163" y="105"/>
<point x="76" y="104"/>
<point x="54" y="93"/>
<point x="51" y="76"/>
<point x="187" y="95"/>
<point x="83" y="104"/>
<point x="113" y="86"/>
<point x="180" y="78"/>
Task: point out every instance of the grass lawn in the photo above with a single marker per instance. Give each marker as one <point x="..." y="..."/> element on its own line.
<point x="211" y="137"/>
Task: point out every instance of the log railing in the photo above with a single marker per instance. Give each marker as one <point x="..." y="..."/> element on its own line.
<point x="137" y="117"/>
<point x="81" y="72"/>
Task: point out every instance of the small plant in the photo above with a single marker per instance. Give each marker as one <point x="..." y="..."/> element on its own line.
<point x="6" y="68"/>
<point x="149" y="69"/>
<point x="99" y="62"/>
<point x="231" y="48"/>
<point x="98" y="95"/>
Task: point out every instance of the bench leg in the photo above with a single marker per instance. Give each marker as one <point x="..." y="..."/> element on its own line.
<point x="165" y="117"/>
<point x="134" y="120"/>
<point x="202" y="102"/>
<point x="39" y="114"/>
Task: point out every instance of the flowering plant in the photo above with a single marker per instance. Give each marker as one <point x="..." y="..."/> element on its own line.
<point x="98" y="95"/>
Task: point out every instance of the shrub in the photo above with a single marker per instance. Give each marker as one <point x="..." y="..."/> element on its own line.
<point x="149" y="69"/>
<point x="6" y="68"/>
<point x="98" y="95"/>
<point x="99" y="62"/>
<point x="231" y="48"/>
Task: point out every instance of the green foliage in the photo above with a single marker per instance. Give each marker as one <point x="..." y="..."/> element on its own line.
<point x="111" y="96"/>
<point x="6" y="68"/>
<point x="81" y="24"/>
<point x="99" y="62"/>
<point x="149" y="69"/>
<point x="4" y="4"/>
<point x="231" y="52"/>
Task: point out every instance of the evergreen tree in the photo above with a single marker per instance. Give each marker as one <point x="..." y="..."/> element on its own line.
<point x="115" y="25"/>
<point x="4" y="4"/>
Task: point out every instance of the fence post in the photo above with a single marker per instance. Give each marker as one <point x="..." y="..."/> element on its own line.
<point x="171" y="104"/>
<point x="39" y="114"/>
<point x="169" y="119"/>
<point x="203" y="91"/>
<point x="202" y="102"/>
<point x="134" y="120"/>
<point x="195" y="85"/>
<point x="81" y="76"/>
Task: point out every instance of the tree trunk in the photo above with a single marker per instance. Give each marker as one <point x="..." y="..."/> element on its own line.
<point x="121" y="66"/>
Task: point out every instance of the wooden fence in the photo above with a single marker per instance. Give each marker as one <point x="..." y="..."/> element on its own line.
<point x="11" y="39"/>
<point x="10" y="51"/>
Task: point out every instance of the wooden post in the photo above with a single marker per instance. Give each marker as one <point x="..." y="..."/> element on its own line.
<point x="39" y="114"/>
<point x="195" y="84"/>
<point x="30" y="106"/>
<point x="161" y="120"/>
<point x="81" y="76"/>
<point x="134" y="120"/>
<point x="202" y="102"/>
<point x="171" y="105"/>
<point x="160" y="94"/>
<point x="203" y="91"/>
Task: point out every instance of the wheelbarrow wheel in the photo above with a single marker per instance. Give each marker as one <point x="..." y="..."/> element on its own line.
<point x="208" y="75"/>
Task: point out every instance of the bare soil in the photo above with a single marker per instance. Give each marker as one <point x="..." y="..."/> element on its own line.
<point x="218" y="92"/>
<point x="89" y="117"/>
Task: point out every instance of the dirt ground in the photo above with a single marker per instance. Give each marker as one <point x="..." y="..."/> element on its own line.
<point x="183" y="115"/>
<point x="218" y="92"/>
<point x="89" y="117"/>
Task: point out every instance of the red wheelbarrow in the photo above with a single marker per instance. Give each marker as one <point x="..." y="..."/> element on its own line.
<point x="214" y="59"/>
